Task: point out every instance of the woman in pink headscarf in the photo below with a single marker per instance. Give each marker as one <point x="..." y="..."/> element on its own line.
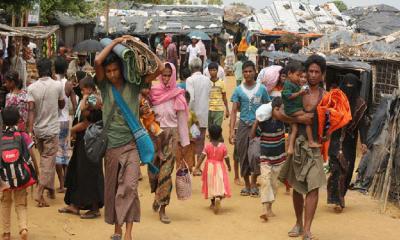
<point x="172" y="113"/>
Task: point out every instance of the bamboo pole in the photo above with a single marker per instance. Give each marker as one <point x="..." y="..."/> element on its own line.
<point x="387" y="181"/>
<point x="107" y="16"/>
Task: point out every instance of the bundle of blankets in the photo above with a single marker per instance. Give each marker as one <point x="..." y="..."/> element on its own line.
<point x="137" y="58"/>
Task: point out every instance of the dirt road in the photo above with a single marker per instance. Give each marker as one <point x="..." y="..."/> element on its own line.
<point x="238" y="219"/>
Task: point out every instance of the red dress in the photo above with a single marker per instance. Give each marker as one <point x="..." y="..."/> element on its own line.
<point x="215" y="175"/>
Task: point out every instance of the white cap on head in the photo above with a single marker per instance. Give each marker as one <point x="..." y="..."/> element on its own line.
<point x="198" y="38"/>
<point x="231" y="37"/>
<point x="263" y="41"/>
<point x="193" y="37"/>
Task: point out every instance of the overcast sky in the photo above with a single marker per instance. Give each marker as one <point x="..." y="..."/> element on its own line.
<point x="351" y="3"/>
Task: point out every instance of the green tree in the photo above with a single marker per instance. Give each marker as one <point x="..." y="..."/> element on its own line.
<point x="340" y="5"/>
<point x="75" y="7"/>
<point x="16" y="8"/>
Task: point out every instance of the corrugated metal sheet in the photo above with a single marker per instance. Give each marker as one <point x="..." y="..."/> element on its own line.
<point x="297" y="17"/>
<point x="152" y="19"/>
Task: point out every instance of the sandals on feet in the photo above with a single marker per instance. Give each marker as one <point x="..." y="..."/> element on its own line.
<point x="165" y="219"/>
<point x="254" y="192"/>
<point x="309" y="237"/>
<point x="338" y="209"/>
<point x="245" y="192"/>
<point x="91" y="214"/>
<point x="296" y="231"/>
<point x="116" y="237"/>
<point x="67" y="210"/>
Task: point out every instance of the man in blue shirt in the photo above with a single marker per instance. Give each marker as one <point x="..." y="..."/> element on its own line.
<point x="247" y="97"/>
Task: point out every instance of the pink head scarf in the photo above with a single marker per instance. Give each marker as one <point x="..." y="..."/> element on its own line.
<point x="271" y="77"/>
<point x="161" y="93"/>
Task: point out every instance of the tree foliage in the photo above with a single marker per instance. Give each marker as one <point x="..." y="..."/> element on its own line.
<point x="16" y="5"/>
<point x="340" y="5"/>
<point x="75" y="7"/>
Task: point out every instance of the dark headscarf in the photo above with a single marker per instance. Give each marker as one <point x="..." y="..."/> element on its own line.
<point x="351" y="87"/>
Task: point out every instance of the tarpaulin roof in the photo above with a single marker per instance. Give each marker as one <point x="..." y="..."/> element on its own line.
<point x="334" y="61"/>
<point x="234" y="12"/>
<point x="66" y="19"/>
<point x="152" y="19"/>
<point x="357" y="45"/>
<point x="378" y="20"/>
<point x="35" y="32"/>
<point x="296" y="17"/>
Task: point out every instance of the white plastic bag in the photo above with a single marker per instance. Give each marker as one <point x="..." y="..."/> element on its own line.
<point x="264" y="112"/>
<point x="195" y="131"/>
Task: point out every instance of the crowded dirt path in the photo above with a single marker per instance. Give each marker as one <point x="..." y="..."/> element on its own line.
<point x="238" y="219"/>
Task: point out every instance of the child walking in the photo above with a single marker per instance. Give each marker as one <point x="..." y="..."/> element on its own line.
<point x="218" y="102"/>
<point x="292" y="96"/>
<point x="11" y="119"/>
<point x="272" y="154"/>
<point x="215" y="180"/>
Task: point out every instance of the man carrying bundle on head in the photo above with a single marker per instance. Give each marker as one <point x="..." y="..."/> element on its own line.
<point x="120" y="91"/>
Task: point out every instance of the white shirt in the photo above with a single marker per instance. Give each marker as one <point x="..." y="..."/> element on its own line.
<point x="199" y="87"/>
<point x="63" y="114"/>
<point x="220" y="74"/>
<point x="46" y="93"/>
<point x="193" y="52"/>
<point x="229" y="51"/>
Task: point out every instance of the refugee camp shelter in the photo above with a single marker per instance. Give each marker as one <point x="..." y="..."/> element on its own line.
<point x="34" y="32"/>
<point x="336" y="69"/>
<point x="296" y="17"/>
<point x="377" y="20"/>
<point x="233" y="13"/>
<point x="146" y="20"/>
<point x="73" y="29"/>
<point x="382" y="53"/>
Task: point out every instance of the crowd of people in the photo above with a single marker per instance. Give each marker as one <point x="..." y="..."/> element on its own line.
<point x="54" y="112"/>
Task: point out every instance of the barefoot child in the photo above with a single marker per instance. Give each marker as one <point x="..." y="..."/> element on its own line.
<point x="272" y="153"/>
<point x="18" y="195"/>
<point x="148" y="118"/>
<point x="215" y="174"/>
<point x="292" y="96"/>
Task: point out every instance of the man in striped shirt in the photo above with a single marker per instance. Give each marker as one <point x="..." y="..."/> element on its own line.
<point x="272" y="155"/>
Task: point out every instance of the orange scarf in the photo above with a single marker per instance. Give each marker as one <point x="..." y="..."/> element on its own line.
<point x="335" y="104"/>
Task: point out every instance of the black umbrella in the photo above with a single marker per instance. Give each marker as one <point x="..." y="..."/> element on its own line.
<point x="88" y="46"/>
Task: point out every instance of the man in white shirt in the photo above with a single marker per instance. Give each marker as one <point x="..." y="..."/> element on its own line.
<point x="192" y="51"/>
<point x="45" y="98"/>
<point x="199" y="87"/>
<point x="230" y="54"/>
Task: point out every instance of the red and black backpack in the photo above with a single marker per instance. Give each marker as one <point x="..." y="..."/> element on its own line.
<point x="16" y="167"/>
